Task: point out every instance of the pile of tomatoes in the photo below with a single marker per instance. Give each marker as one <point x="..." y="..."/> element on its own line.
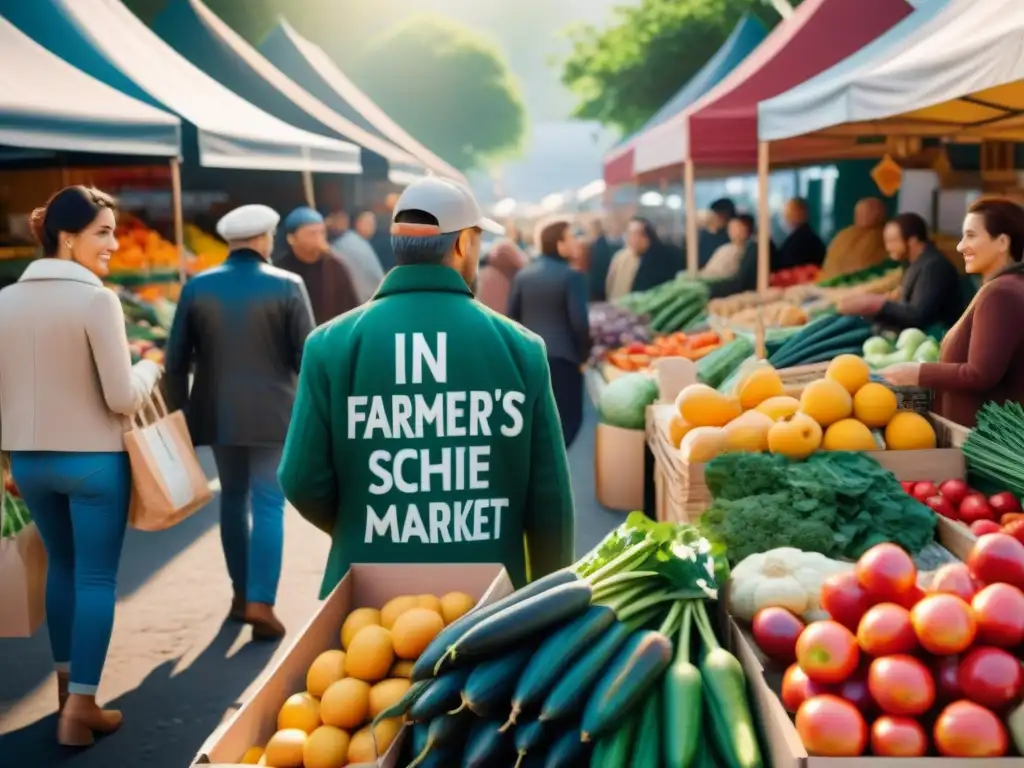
<point x="899" y="670"/>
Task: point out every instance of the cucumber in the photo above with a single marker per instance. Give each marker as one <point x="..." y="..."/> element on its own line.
<point x="647" y="746"/>
<point x="825" y="349"/>
<point x="529" y="738"/>
<point x="614" y="750"/>
<point x="837" y="333"/>
<point x="401" y="706"/>
<point x="430" y="661"/>
<point x="636" y="669"/>
<point x="489" y="688"/>
<point x="503" y="630"/>
<point x="555" y="655"/>
<point x="486" y="745"/>
<point x="568" y="751"/>
<point x="830" y="354"/>
<point x="441" y="696"/>
<point x="570" y="693"/>
<point x="444" y="732"/>
<point x="419" y="737"/>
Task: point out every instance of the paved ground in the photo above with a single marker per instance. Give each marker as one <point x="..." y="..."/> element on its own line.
<point x="175" y="667"/>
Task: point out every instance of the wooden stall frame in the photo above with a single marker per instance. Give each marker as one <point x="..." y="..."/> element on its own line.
<point x="179" y="219"/>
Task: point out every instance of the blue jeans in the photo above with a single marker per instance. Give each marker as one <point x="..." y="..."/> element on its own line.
<point x="252" y="550"/>
<point x="79" y="502"/>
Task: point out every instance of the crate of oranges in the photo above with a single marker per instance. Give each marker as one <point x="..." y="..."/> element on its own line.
<point x="314" y="709"/>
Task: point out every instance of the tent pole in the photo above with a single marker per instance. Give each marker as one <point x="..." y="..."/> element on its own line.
<point x="308" y="189"/>
<point x="692" y="260"/>
<point x="763" y="234"/>
<point x="179" y="220"/>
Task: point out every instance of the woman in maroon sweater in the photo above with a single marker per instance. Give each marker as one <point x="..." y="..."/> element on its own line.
<point x="982" y="357"/>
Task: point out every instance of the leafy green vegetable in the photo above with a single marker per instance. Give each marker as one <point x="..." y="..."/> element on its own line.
<point x="623" y="402"/>
<point x="838" y="503"/>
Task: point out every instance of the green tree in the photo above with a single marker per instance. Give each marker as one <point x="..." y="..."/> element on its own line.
<point x="623" y="73"/>
<point x="448" y="87"/>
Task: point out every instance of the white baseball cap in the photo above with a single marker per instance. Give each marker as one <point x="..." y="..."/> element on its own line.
<point x="454" y="206"/>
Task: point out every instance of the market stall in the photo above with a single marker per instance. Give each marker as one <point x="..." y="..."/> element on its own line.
<point x="196" y="33"/>
<point x="310" y="66"/>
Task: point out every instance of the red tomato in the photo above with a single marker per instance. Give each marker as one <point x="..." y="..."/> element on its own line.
<point x="1004" y="502"/>
<point x="775" y="632"/>
<point x="924" y="490"/>
<point x="997" y="558"/>
<point x="855" y="690"/>
<point x="912" y="597"/>
<point x="901" y="685"/>
<point x="954" y="579"/>
<point x="797" y="687"/>
<point x="946" y="671"/>
<point x="886" y="572"/>
<point x="908" y="485"/>
<point x="827" y="652"/>
<point x="898" y="737"/>
<point x="991" y="677"/>
<point x="975" y="507"/>
<point x="999" y="612"/>
<point x="844" y="599"/>
<point x="964" y="729"/>
<point x="831" y="727"/>
<point x="942" y="506"/>
<point x="944" y="624"/>
<point x="955" y="491"/>
<point x="885" y="630"/>
<point x="981" y="527"/>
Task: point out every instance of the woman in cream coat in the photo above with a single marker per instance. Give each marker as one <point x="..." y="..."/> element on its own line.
<point x="67" y="388"/>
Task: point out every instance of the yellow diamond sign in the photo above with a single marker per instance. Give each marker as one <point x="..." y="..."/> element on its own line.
<point x="887" y="176"/>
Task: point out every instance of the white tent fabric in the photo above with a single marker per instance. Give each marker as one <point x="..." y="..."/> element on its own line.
<point x="404" y="168"/>
<point x="232" y="132"/>
<point x="45" y="103"/>
<point x="961" y="72"/>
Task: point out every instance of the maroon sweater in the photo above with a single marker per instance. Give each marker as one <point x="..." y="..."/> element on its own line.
<point x="982" y="355"/>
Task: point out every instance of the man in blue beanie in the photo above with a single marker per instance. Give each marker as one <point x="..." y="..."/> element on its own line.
<point x="327" y="279"/>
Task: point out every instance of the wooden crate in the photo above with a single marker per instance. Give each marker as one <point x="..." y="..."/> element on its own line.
<point x="949" y="433"/>
<point x="796" y="378"/>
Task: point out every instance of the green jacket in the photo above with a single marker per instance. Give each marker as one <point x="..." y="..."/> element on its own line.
<point x="425" y="430"/>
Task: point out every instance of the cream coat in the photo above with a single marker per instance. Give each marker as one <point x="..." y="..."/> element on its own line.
<point x="66" y="378"/>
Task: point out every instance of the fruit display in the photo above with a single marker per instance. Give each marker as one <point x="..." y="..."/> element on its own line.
<point x="994" y="447"/>
<point x="897" y="670"/>
<point x="209" y="251"/>
<point x="141" y="249"/>
<point x="843" y="411"/>
<point x="623" y="402"/>
<point x="822" y="340"/>
<point x="612" y="662"/>
<point x="672" y="306"/>
<point x="805" y="273"/>
<point x="638" y="356"/>
<point x="777" y="314"/>
<point x="337" y="720"/>
<point x="957" y="501"/>
<point x="865" y="276"/>
<point x="147" y="323"/>
<point x="912" y="345"/>
<point x="612" y="327"/>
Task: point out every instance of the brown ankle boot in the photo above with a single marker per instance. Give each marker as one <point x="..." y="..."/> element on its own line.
<point x="82" y="718"/>
<point x="265" y="625"/>
<point x="63" y="680"/>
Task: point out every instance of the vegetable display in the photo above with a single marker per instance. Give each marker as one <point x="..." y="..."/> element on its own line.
<point x="671" y="306"/>
<point x="994" y="447"/>
<point x="623" y="402"/>
<point x="639" y="356"/>
<point x="613" y="662"/>
<point x="957" y="501"/>
<point x="822" y="340"/>
<point x="912" y="345"/>
<point x="612" y="327"/>
<point x="901" y="671"/>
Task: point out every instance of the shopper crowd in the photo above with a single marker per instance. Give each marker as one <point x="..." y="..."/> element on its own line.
<point x="409" y="395"/>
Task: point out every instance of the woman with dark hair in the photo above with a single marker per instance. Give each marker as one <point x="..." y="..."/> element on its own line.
<point x="67" y="390"/>
<point x="982" y="357"/>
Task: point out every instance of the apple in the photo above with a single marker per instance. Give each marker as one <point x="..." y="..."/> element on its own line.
<point x="942" y="506"/>
<point x="925" y="490"/>
<point x="975" y="507"/>
<point x="981" y="527"/>
<point x="955" y="491"/>
<point x="1004" y="502"/>
<point x="997" y="558"/>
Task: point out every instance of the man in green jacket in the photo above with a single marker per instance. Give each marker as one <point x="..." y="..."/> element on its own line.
<point x="424" y="429"/>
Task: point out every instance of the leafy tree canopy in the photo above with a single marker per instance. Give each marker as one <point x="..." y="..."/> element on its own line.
<point x="446" y="86"/>
<point x="623" y="73"/>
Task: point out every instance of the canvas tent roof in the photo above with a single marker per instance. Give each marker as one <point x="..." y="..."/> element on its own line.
<point x="720" y="130"/>
<point x="959" y="73"/>
<point x="104" y="39"/>
<point x="45" y="103"/>
<point x="748" y="33"/>
<point x="310" y="66"/>
<point x="195" y="32"/>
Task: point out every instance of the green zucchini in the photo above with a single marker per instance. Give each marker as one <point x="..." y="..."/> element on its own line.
<point x="502" y="631"/>
<point x="647" y="746"/>
<point x="826" y="355"/>
<point x="489" y="688"/>
<point x="570" y="693"/>
<point x="824" y="328"/>
<point x="440" y="697"/>
<point x="568" y="751"/>
<point x="555" y="655"/>
<point x="400" y="707"/>
<point x="419" y="737"/>
<point x="529" y="738"/>
<point x="636" y="668"/>
<point x="429" y="663"/>
<point x="614" y="750"/>
<point x="444" y="731"/>
<point x="486" y="745"/>
<point x="821" y="348"/>
<point x="682" y="702"/>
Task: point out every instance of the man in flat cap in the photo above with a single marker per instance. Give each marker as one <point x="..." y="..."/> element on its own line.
<point x="240" y="328"/>
<point x="327" y="279"/>
<point x="425" y="429"/>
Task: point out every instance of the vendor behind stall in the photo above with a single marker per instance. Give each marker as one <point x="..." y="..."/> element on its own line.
<point x="425" y="429"/>
<point x="860" y="245"/>
<point x="802" y="245"/>
<point x="930" y="292"/>
<point x="982" y="357"/>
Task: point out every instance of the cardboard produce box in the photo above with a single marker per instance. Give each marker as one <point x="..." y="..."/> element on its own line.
<point x="364" y="586"/>
<point x="782" y="743"/>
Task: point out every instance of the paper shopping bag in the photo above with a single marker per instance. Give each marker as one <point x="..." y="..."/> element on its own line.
<point x="168" y="485"/>
<point x="22" y="570"/>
